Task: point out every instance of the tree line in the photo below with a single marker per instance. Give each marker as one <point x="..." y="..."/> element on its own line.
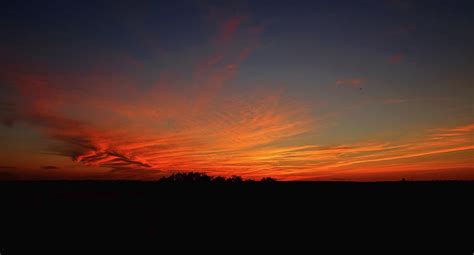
<point x="198" y="177"/>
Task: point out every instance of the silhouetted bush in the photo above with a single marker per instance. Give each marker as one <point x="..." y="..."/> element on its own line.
<point x="190" y="177"/>
<point x="234" y="179"/>
<point x="196" y="177"/>
<point x="218" y="179"/>
<point x="268" y="180"/>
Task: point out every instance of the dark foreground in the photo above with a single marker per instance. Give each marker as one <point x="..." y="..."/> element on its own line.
<point x="147" y="216"/>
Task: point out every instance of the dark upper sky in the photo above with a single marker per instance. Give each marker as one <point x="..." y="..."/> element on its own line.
<point x="291" y="89"/>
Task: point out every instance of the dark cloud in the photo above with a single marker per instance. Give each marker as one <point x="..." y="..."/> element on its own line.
<point x="109" y="158"/>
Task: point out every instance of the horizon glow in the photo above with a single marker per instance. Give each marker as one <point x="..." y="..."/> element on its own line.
<point x="228" y="90"/>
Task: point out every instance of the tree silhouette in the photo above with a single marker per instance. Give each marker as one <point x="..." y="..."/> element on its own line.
<point x="197" y="177"/>
<point x="267" y="180"/>
<point x="190" y="177"/>
<point x="218" y="179"/>
<point x="234" y="179"/>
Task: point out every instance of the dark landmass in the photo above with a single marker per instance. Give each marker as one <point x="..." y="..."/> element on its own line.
<point x="199" y="215"/>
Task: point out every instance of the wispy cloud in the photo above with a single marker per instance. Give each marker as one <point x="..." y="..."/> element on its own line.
<point x="211" y="74"/>
<point x="461" y="131"/>
<point x="143" y="131"/>
<point x="382" y="154"/>
<point x="228" y="29"/>
<point x="158" y="130"/>
<point x="105" y="120"/>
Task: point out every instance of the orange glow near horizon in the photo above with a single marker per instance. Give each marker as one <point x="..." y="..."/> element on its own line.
<point x="250" y="134"/>
<point x="104" y="120"/>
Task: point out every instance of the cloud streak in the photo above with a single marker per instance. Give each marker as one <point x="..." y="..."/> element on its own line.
<point x="228" y="29"/>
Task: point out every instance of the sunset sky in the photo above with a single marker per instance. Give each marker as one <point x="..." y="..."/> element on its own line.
<point x="364" y="90"/>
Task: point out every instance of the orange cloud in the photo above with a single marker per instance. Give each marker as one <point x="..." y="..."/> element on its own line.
<point x="464" y="129"/>
<point x="106" y="120"/>
<point x="143" y="131"/>
<point x="249" y="134"/>
<point x="356" y="158"/>
<point x="158" y="129"/>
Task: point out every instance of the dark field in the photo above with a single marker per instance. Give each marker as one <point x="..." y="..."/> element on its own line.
<point x="350" y="216"/>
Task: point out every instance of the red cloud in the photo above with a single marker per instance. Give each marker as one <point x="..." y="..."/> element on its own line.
<point x="108" y="121"/>
<point x="212" y="74"/>
<point x="105" y="120"/>
<point x="228" y="28"/>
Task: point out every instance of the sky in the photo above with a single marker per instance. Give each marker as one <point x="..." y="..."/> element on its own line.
<point x="295" y="90"/>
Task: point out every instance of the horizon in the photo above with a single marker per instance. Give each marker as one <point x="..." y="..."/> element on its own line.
<point x="360" y="91"/>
